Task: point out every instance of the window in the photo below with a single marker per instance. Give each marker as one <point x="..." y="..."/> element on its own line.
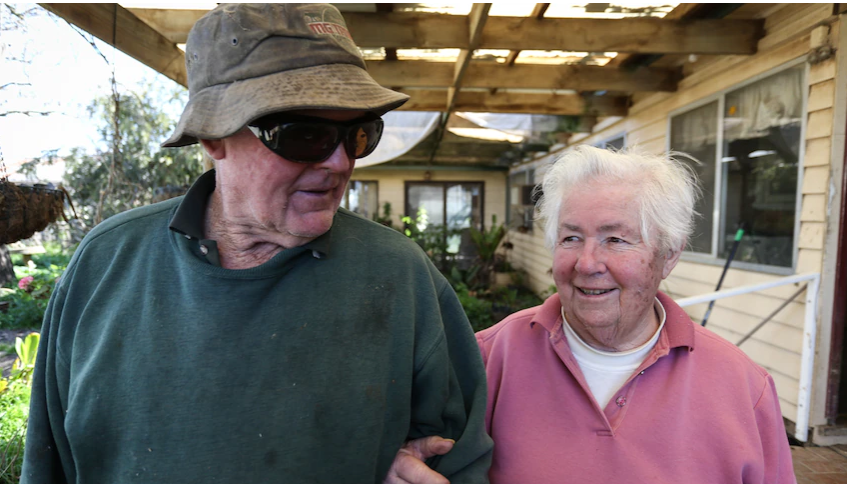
<point x="616" y="144"/>
<point x="361" y="197"/>
<point x="456" y="206"/>
<point x="748" y="141"/>
<point x="521" y="205"/>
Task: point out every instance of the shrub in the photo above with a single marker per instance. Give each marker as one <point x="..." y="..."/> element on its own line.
<point x="477" y="310"/>
<point x="14" y="409"/>
<point x="487" y="307"/>
<point x="27" y="300"/>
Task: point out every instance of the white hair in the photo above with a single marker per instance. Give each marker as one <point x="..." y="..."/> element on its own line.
<point x="668" y="189"/>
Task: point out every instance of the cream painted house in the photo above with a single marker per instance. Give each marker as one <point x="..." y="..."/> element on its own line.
<point x="770" y="131"/>
<point x="757" y="92"/>
<point x="481" y="193"/>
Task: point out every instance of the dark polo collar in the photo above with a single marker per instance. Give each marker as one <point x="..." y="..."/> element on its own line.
<point x="189" y="220"/>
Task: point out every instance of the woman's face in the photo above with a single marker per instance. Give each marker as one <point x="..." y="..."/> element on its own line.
<point x="606" y="275"/>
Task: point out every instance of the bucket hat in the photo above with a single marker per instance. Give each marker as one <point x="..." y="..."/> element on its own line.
<point x="245" y="61"/>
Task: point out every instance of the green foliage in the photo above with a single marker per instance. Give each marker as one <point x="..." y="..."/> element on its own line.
<point x="487" y="242"/>
<point x="478" y="310"/>
<point x="385" y="218"/>
<point x="14" y="409"/>
<point x="24" y="311"/>
<point x="139" y="171"/>
<point x="431" y="237"/>
<point x="487" y="306"/>
<point x="26" y="350"/>
<point x="28" y="300"/>
<point x="467" y="277"/>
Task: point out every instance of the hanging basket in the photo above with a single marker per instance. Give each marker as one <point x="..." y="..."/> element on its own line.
<point x="25" y="210"/>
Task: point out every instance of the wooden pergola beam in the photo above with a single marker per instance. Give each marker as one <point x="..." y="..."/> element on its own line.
<point x="476" y="23"/>
<point x="518" y="102"/>
<point x="523" y="76"/>
<point x="640" y="35"/>
<point x="537" y="13"/>
<point x="118" y="27"/>
<point x="173" y="24"/>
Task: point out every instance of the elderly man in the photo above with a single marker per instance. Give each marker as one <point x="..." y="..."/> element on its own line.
<point x="239" y="333"/>
<point x="609" y="380"/>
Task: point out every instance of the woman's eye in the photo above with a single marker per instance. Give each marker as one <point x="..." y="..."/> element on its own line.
<point x="571" y="238"/>
<point x="616" y="240"/>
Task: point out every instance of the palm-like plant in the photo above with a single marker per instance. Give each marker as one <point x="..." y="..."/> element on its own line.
<point x="487" y="242"/>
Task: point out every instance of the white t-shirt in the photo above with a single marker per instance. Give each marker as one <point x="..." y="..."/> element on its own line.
<point x="607" y="371"/>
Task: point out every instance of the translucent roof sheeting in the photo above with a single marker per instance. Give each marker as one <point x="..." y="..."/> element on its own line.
<point x="403" y="131"/>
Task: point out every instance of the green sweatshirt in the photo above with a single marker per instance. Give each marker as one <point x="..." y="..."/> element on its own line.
<point x="156" y="366"/>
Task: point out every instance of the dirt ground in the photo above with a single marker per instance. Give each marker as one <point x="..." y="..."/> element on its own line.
<point x="7" y="337"/>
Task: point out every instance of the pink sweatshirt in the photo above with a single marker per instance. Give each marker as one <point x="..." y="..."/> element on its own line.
<point x="698" y="410"/>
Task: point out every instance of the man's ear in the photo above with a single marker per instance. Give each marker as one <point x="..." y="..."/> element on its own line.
<point x="671" y="258"/>
<point x="215" y="148"/>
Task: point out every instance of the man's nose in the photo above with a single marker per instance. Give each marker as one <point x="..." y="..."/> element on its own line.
<point x="338" y="161"/>
<point x="590" y="260"/>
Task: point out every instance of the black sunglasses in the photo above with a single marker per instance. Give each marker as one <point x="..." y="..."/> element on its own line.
<point x="306" y="139"/>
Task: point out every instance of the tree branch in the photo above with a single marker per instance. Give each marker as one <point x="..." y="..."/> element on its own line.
<point x="89" y="40"/>
<point x="8" y="84"/>
<point x="26" y="113"/>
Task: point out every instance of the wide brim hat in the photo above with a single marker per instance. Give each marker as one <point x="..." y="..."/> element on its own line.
<point x="245" y="61"/>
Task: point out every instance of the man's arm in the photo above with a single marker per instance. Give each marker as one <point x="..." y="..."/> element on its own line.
<point x="45" y="439"/>
<point x="449" y="393"/>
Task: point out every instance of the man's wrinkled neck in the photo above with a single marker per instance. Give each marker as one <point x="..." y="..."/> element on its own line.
<point x="243" y="242"/>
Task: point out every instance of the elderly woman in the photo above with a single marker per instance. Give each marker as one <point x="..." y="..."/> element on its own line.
<point x="609" y="380"/>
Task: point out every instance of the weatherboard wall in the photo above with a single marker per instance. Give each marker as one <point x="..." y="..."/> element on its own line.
<point x="790" y="35"/>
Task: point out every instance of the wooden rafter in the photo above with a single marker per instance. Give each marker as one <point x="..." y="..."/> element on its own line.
<point x="437" y="31"/>
<point x="477" y="85"/>
<point x="390" y="52"/>
<point x="537" y="13"/>
<point x="523" y="76"/>
<point x="118" y="27"/>
<point x="476" y="23"/>
<point x="570" y="104"/>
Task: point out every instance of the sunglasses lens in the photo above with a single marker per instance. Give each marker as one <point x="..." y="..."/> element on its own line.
<point x="363" y="138"/>
<point x="314" y="142"/>
<point x="307" y="143"/>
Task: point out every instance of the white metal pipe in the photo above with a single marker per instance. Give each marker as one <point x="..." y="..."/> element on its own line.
<point x="807" y="362"/>
<point x="807" y="358"/>
<point x="736" y="291"/>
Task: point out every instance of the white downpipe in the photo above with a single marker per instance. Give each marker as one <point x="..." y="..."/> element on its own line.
<point x="807" y="358"/>
<point x="807" y="362"/>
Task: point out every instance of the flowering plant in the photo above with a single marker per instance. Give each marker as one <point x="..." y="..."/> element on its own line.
<point x="25" y="283"/>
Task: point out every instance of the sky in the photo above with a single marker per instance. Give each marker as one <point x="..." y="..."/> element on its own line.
<point x="66" y="74"/>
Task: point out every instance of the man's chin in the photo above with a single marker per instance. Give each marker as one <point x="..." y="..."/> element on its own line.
<point x="312" y="225"/>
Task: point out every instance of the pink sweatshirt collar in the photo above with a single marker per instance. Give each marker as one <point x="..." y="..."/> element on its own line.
<point x="678" y="330"/>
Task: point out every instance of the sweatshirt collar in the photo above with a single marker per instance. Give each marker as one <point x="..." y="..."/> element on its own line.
<point x="189" y="217"/>
<point x="679" y="329"/>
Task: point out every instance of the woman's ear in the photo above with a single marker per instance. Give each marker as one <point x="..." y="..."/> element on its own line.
<point x="215" y="148"/>
<point x="671" y="258"/>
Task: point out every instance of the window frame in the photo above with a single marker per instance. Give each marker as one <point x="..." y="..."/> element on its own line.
<point x="718" y="222"/>
<point x="527" y="173"/>
<point x="345" y="200"/>
<point x="605" y="141"/>
<point x="444" y="184"/>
